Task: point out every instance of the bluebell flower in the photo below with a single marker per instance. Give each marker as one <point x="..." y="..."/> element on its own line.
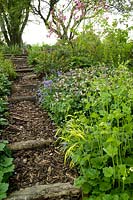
<point x="59" y="73"/>
<point x="47" y="83"/>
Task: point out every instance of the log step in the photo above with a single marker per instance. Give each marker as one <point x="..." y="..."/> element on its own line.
<point x="30" y="144"/>
<point x="23" y="98"/>
<point x="16" y="56"/>
<point x="59" y="191"/>
<point x="24" y="70"/>
<point x="28" y="86"/>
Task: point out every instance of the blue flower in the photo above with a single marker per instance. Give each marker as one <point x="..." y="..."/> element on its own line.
<point x="48" y="83"/>
<point x="59" y="73"/>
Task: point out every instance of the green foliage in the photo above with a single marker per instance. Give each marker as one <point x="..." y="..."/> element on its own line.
<point x="84" y="51"/>
<point x="4" y="85"/>
<point x="6" y="67"/>
<point x="98" y="138"/>
<point x="47" y="59"/>
<point x="6" y="168"/>
<point x="14" y="50"/>
<point x="96" y="108"/>
<point x="87" y="50"/>
<point x="116" y="48"/>
<point x="3" y="109"/>
<point x="63" y="96"/>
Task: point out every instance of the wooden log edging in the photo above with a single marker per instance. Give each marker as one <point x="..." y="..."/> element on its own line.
<point x="30" y="144"/>
<point x="42" y="192"/>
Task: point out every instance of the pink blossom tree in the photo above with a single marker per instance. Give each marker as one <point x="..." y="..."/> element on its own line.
<point x="63" y="19"/>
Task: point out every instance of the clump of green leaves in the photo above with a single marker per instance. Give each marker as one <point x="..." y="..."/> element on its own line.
<point x="6" y="67"/>
<point x="117" y="47"/>
<point x="98" y="138"/>
<point x="6" y="168"/>
<point x="13" y="50"/>
<point x="87" y="50"/>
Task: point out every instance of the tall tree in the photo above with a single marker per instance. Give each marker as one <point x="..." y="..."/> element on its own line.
<point x="13" y="19"/>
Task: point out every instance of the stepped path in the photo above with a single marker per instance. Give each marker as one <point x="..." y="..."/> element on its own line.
<point x="40" y="172"/>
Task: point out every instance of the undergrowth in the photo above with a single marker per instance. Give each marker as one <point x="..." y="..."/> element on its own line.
<point x="6" y="161"/>
<point x="94" y="108"/>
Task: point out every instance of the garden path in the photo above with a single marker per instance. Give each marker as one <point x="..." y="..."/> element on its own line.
<point x="40" y="172"/>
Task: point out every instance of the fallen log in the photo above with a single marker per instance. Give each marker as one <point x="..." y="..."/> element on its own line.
<point x="50" y="191"/>
<point x="30" y="144"/>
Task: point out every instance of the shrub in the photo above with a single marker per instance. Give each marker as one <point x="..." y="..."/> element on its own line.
<point x="49" y="59"/>
<point x="6" y="67"/>
<point x="117" y="48"/>
<point x="87" y="50"/>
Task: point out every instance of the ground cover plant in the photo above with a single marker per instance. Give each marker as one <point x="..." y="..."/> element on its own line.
<point x="6" y="166"/>
<point x="63" y="94"/>
<point x="96" y="108"/>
